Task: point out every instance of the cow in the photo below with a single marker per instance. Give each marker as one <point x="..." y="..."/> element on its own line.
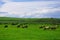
<point x="18" y="26"/>
<point x="5" y="26"/>
<point x="54" y="27"/>
<point x="24" y="26"/>
<point x="46" y="28"/>
<point x="42" y="26"/>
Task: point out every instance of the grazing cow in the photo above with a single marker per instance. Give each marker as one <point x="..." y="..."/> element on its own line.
<point x="24" y="26"/>
<point x="46" y="27"/>
<point x="5" y="26"/>
<point x="56" y="26"/>
<point x="42" y="26"/>
<point x="18" y="26"/>
<point x="53" y="27"/>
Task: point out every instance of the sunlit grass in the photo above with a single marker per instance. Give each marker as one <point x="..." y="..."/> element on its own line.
<point x="31" y="33"/>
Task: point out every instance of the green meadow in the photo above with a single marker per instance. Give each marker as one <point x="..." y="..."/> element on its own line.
<point x="33" y="32"/>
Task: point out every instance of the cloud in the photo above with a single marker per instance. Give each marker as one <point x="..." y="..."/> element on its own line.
<point x="2" y="2"/>
<point x="55" y="14"/>
<point x="6" y="0"/>
<point x="30" y="9"/>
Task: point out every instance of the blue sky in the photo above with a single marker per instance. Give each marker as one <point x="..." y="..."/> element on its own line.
<point x="30" y="8"/>
<point x="1" y="3"/>
<point x="32" y="0"/>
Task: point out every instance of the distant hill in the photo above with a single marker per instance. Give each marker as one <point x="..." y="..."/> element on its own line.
<point x="30" y="20"/>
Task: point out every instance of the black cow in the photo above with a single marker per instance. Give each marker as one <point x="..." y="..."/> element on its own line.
<point x="18" y="26"/>
<point x="5" y="26"/>
<point x="42" y="26"/>
<point x="53" y="28"/>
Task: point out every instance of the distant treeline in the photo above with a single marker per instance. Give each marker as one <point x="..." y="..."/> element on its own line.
<point x="30" y="20"/>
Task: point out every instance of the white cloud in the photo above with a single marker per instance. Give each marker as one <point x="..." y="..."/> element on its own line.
<point x="28" y="9"/>
<point x="6" y="0"/>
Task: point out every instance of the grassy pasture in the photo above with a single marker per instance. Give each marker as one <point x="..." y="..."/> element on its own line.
<point x="33" y="32"/>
